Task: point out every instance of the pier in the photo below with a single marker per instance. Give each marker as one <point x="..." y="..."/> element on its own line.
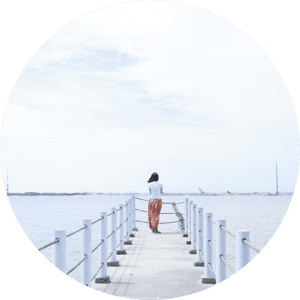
<point x="156" y="266"/>
<point x="141" y="264"/>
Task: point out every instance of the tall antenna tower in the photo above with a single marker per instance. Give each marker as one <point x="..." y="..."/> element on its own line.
<point x="276" y="180"/>
<point x="7" y="190"/>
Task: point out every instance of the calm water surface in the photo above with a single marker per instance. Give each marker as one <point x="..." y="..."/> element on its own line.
<point x="39" y="216"/>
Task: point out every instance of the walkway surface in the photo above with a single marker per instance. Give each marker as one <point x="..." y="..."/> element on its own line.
<point x="156" y="266"/>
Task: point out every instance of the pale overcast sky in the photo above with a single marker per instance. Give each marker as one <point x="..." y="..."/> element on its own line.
<point x="148" y="87"/>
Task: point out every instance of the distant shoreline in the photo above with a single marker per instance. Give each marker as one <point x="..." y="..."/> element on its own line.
<point x="144" y="194"/>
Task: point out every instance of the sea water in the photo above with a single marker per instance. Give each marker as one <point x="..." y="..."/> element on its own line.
<point x="39" y="216"/>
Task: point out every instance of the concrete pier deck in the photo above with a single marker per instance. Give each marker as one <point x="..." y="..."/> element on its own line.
<point x="156" y="266"/>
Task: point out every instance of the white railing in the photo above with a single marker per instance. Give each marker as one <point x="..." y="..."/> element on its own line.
<point x="202" y="243"/>
<point x="60" y="240"/>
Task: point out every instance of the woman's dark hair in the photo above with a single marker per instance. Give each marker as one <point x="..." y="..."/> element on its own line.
<point x="154" y="177"/>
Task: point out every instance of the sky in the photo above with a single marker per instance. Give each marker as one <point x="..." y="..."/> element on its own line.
<point x="146" y="87"/>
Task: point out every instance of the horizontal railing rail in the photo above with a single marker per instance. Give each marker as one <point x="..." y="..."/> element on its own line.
<point x="211" y="271"/>
<point x="101" y="266"/>
<point x="229" y="232"/>
<point x="97" y="246"/>
<point x="110" y="234"/>
<point x="111" y="214"/>
<point x="97" y="220"/>
<point x="70" y="234"/>
<point x="162" y="202"/>
<point x="211" y="220"/>
<point x="111" y="253"/>
<point x="211" y="245"/>
<point x="50" y="244"/>
<point x="251" y="246"/>
<point x="85" y="257"/>
<point x="227" y="264"/>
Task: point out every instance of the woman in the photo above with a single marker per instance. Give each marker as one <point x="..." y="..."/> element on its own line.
<point x="155" y="202"/>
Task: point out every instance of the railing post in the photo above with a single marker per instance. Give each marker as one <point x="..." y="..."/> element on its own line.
<point x="86" y="250"/>
<point x="221" y="272"/>
<point x="193" y="235"/>
<point x="60" y="250"/>
<point x="113" y="242"/>
<point x="186" y="225"/>
<point x="127" y="240"/>
<point x="199" y="262"/>
<point x="190" y="223"/>
<point x="103" y="278"/>
<point x="242" y="250"/>
<point x="130" y="218"/>
<point x="121" y="235"/>
<point x="133" y="213"/>
<point x="178" y="214"/>
<point x="208" y="277"/>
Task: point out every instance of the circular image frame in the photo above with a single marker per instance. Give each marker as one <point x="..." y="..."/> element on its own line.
<point x="26" y="35"/>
